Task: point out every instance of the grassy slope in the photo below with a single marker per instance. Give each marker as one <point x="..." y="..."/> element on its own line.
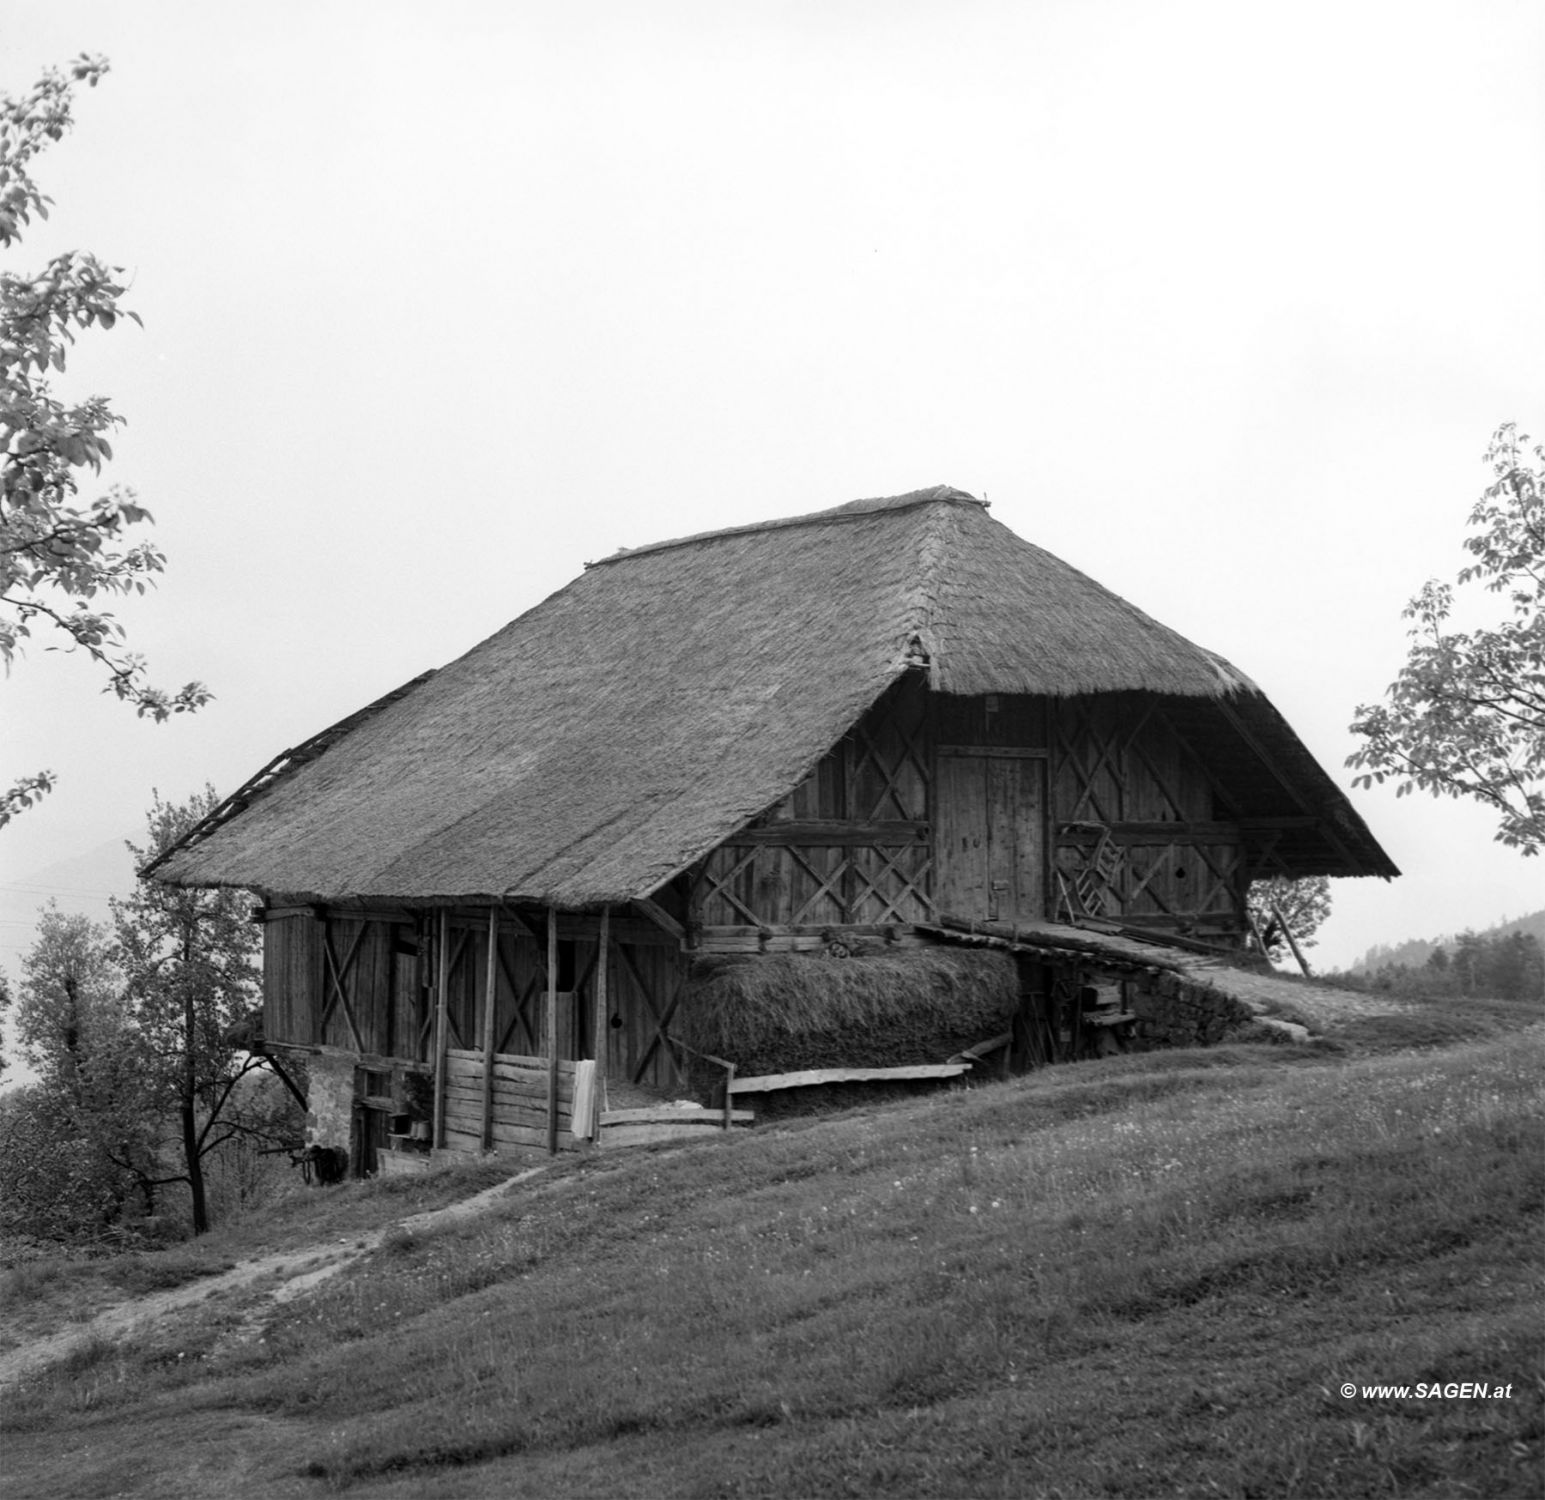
<point x="1144" y="1276"/>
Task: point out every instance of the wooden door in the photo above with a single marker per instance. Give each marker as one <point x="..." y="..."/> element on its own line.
<point x="990" y="836"/>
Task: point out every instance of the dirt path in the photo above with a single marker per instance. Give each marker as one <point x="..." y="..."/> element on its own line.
<point x="280" y="1276"/>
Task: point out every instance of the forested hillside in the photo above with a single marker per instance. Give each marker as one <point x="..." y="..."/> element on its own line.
<point x="1416" y="951"/>
<point x="1507" y="961"/>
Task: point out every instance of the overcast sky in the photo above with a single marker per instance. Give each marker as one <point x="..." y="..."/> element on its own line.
<point x="1218" y="302"/>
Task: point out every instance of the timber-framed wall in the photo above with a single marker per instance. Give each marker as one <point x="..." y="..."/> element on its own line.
<point x="393" y="1008"/>
<point x="849" y="848"/>
<point x="994" y="808"/>
<point x="342" y="979"/>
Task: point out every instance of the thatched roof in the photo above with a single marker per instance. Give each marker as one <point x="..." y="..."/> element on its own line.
<point x="612" y="735"/>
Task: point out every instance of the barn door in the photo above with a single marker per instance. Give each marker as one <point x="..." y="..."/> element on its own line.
<point x="990" y="817"/>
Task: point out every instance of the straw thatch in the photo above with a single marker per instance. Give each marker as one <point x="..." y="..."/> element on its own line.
<point x="784" y="1012"/>
<point x="613" y="735"/>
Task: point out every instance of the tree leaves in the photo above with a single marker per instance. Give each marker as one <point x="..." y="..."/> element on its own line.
<point x="1466" y="715"/>
<point x="57" y="554"/>
<point x="128" y="1027"/>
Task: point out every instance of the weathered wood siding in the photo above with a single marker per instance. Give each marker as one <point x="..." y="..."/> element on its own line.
<point x="519" y="1091"/>
<point x="292" y="977"/>
<point x="350" y="980"/>
<point x="1116" y="760"/>
<point x="990" y="808"/>
<point x="1123" y="776"/>
<point x="361" y="983"/>
<point x="848" y="847"/>
<point x="644" y="976"/>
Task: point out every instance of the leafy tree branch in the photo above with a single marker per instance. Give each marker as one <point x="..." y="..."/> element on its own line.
<point x="58" y="554"/>
<point x="1466" y="715"/>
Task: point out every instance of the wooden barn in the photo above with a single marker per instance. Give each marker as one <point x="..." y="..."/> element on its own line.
<point x="485" y="896"/>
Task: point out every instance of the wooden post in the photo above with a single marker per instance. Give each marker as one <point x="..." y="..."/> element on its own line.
<point x="1255" y="932"/>
<point x="489" y="1006"/>
<point x="442" y="1022"/>
<point x="552" y="1031"/>
<point x="603" y="1018"/>
<point x="1298" y="952"/>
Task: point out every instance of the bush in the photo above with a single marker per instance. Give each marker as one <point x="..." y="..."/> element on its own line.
<point x="54" y="1185"/>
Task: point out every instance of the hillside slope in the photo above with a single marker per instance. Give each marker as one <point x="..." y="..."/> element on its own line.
<point x="1146" y="1275"/>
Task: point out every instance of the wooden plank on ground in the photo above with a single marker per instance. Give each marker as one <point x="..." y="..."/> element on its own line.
<point x="976" y="1053"/>
<point x="846" y="1075"/>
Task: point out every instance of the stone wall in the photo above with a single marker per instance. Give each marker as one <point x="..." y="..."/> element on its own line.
<point x="330" y="1101"/>
<point x="1174" y="1012"/>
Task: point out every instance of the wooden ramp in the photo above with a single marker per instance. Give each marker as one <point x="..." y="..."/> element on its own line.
<point x="1268" y="996"/>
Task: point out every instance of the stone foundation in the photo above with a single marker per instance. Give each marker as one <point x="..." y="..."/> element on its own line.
<point x="330" y="1101"/>
<point x="1174" y="1012"/>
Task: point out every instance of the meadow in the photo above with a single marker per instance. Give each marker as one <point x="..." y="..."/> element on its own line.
<point x="1149" y="1275"/>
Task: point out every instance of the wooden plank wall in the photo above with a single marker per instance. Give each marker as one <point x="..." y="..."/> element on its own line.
<point x="853" y="846"/>
<point x="848" y="847"/>
<point x="292" y="978"/>
<point x="1116" y="760"/>
<point x="1118" y="763"/>
<point x="372" y="959"/>
<point x="519" y="1101"/>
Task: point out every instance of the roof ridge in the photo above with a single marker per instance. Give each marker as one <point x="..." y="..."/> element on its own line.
<point x="853" y="510"/>
<point x="921" y="645"/>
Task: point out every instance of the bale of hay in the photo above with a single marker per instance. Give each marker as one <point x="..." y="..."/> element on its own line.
<point x="783" y="1012"/>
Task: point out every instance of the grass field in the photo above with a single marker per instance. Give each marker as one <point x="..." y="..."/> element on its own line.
<point x="1146" y="1276"/>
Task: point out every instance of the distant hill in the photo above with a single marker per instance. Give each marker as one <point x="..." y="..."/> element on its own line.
<point x="81" y="884"/>
<point x="1416" y="951"/>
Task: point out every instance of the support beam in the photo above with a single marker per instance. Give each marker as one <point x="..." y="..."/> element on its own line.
<point x="284" y="1077"/>
<point x="336" y="978"/>
<point x="442" y="1020"/>
<point x="1292" y="941"/>
<point x="490" y="1000"/>
<point x="601" y="1036"/>
<point x="661" y="918"/>
<point x="552" y="1031"/>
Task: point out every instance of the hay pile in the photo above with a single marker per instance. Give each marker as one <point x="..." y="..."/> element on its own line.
<point x="788" y="1011"/>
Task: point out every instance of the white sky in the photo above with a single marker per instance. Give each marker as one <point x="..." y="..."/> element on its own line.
<point x="1218" y="302"/>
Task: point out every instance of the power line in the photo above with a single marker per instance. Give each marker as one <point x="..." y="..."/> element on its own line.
<point x="58" y="890"/>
